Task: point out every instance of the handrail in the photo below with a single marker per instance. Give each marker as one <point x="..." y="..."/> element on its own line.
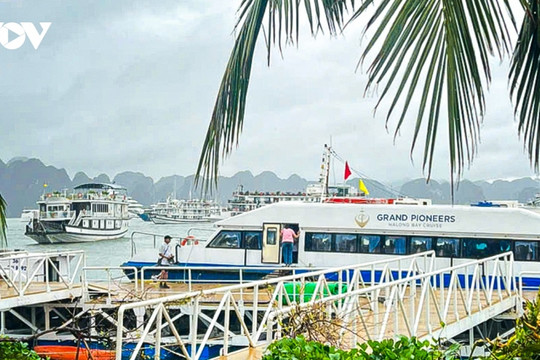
<point x="343" y="273"/>
<point x="521" y="287"/>
<point x="155" y="236"/>
<point x="409" y="298"/>
<point x="240" y="270"/>
<point x="189" y="232"/>
<point x="20" y="270"/>
<point x="428" y="254"/>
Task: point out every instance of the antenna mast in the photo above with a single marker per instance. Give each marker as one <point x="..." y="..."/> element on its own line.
<point x="325" y="171"/>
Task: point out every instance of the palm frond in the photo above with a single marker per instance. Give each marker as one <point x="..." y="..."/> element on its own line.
<point x="3" y="223"/>
<point x="282" y="21"/>
<point x="433" y="51"/>
<point x="436" y="51"/>
<point x="525" y="82"/>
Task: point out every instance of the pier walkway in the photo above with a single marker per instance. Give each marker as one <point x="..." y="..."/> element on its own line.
<point x="383" y="299"/>
<point x="36" y="278"/>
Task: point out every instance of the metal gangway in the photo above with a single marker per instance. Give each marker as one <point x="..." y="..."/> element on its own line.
<point x="405" y="295"/>
<point x="35" y="278"/>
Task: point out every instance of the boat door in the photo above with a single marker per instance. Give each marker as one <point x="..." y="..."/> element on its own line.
<point x="270" y="243"/>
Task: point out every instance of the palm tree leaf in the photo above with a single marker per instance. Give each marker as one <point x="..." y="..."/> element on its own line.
<point x="3" y="222"/>
<point x="440" y="50"/>
<point x="436" y="51"/>
<point x="282" y="19"/>
<point x="525" y="81"/>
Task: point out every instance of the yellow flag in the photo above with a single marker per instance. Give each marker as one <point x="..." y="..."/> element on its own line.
<point x="363" y="187"/>
<point x="45" y="185"/>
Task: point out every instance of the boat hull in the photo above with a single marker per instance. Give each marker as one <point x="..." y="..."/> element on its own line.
<point x="60" y="352"/>
<point x="162" y="220"/>
<point x="74" y="235"/>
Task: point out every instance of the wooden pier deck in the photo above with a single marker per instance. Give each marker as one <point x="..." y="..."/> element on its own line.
<point x="37" y="293"/>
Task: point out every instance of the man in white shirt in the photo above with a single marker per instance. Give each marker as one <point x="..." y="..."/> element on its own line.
<point x="165" y="259"/>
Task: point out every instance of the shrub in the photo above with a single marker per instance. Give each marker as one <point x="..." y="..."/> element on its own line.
<point x="403" y="348"/>
<point x="16" y="350"/>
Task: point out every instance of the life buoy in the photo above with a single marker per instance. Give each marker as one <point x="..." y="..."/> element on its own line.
<point x="79" y="195"/>
<point x="191" y="239"/>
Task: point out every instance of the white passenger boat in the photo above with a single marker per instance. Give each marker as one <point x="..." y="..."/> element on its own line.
<point x="28" y="215"/>
<point x="91" y="212"/>
<point x="337" y="234"/>
<point x="175" y="211"/>
<point x="245" y="200"/>
<point x="135" y="209"/>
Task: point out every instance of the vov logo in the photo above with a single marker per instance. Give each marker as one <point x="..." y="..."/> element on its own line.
<point x="13" y="35"/>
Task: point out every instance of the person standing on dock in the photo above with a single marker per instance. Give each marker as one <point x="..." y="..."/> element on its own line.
<point x="287" y="241"/>
<point x="165" y="259"/>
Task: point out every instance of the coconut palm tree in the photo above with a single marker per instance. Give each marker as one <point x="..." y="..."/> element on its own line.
<point x="437" y="51"/>
<point x="3" y="223"/>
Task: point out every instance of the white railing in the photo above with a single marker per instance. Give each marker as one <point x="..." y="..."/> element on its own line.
<point x="409" y="298"/>
<point x="59" y="215"/>
<point x="258" y="298"/>
<point x="238" y="275"/>
<point x="157" y="239"/>
<point x="50" y="271"/>
<point x="523" y="288"/>
<point x="451" y="301"/>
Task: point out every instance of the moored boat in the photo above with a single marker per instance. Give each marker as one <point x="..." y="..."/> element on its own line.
<point x="62" y="352"/>
<point x="339" y="234"/>
<point x="175" y="211"/>
<point x="243" y="200"/>
<point x="91" y="212"/>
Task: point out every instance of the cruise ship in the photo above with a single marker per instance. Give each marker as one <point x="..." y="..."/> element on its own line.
<point x="91" y="212"/>
<point x="243" y="201"/>
<point x="174" y="211"/>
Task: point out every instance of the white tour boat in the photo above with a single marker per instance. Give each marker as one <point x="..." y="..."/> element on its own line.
<point x="337" y="234"/>
<point x="91" y="212"/>
<point x="135" y="209"/>
<point x="244" y="200"/>
<point x="175" y="211"/>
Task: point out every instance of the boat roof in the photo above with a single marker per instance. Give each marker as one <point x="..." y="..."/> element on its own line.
<point x="101" y="186"/>
<point x="384" y="218"/>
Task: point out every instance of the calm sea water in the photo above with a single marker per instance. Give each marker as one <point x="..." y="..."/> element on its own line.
<point x="106" y="252"/>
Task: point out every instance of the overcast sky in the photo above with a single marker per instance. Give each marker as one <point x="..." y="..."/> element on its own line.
<point x="130" y="85"/>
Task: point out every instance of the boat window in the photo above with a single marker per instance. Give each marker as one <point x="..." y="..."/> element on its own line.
<point x="526" y="250"/>
<point x="271" y="237"/>
<point x="346" y="243"/>
<point x="395" y="245"/>
<point x="447" y="247"/>
<point x="480" y="248"/>
<point x="226" y="239"/>
<point x="100" y="207"/>
<point x="252" y="240"/>
<point x="420" y="244"/>
<point x="504" y="246"/>
<point x="370" y="244"/>
<point x="318" y="242"/>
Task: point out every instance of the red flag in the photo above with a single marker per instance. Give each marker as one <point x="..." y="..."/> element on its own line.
<point x="347" y="171"/>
